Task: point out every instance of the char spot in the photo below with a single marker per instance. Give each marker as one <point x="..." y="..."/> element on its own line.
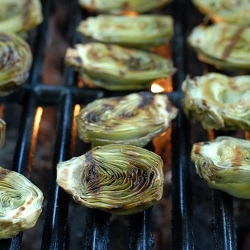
<point x="91" y="174"/>
<point x="93" y="117"/>
<point x="146" y="99"/>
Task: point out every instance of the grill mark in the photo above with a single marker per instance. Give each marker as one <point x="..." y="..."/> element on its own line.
<point x="232" y="43"/>
<point x="91" y="174"/>
<point x="19" y="212"/>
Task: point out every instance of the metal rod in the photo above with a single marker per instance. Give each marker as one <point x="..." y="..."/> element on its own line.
<point x="55" y="226"/>
<point x="140" y="231"/>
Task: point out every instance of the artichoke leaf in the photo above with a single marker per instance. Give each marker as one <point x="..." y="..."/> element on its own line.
<point x="134" y="119"/>
<point x="224" y="164"/>
<point x="230" y="11"/>
<point x="116" y="178"/>
<point x="122" y="6"/>
<point x="222" y="45"/>
<point x="217" y="101"/>
<point x="118" y="66"/>
<point x="20" y="203"/>
<point x="128" y="30"/>
<point x="15" y="62"/>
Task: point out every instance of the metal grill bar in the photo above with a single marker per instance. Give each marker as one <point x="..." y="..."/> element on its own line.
<point x="55" y="229"/>
<point x="140" y="231"/>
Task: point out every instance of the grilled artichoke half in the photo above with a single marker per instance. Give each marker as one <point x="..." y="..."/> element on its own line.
<point x="120" y="179"/>
<point x="218" y="101"/>
<point x="19" y="16"/>
<point x="134" y="119"/>
<point x="122" y="6"/>
<point x="224" y="164"/>
<point x="234" y="11"/>
<point x="129" y="30"/>
<point x="114" y="67"/>
<point x="20" y="203"/>
<point x="15" y="62"/>
<point x="222" y="45"/>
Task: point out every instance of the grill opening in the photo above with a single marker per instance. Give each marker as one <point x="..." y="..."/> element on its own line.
<point x="41" y="132"/>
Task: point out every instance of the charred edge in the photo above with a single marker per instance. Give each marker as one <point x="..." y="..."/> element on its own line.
<point x="91" y="174"/>
<point x="232" y="43"/>
<point x="196" y="149"/>
<point x="3" y="173"/>
<point x="147" y="99"/>
<point x="4" y="38"/>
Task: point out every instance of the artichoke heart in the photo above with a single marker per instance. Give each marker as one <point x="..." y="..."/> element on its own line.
<point x="134" y="119"/>
<point x="114" y="67"/>
<point x="122" y="6"/>
<point x="116" y="178"/>
<point x="128" y="31"/>
<point x="20" y="203"/>
<point x="222" y="45"/>
<point x="218" y="101"/>
<point x="15" y="62"/>
<point x="224" y="164"/>
<point x="18" y="16"/>
<point x="231" y="11"/>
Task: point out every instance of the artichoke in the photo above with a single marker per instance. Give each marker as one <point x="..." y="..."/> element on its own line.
<point x="222" y="45"/>
<point x="117" y="68"/>
<point x="128" y="31"/>
<point x="122" y="6"/>
<point x="2" y="132"/>
<point x="116" y="178"/>
<point x="15" y="62"/>
<point x="134" y="119"/>
<point x="19" y="16"/>
<point x="231" y="11"/>
<point x="224" y="164"/>
<point x="20" y="203"/>
<point x="218" y="101"/>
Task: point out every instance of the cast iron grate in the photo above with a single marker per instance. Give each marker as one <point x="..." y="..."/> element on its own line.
<point x="65" y="96"/>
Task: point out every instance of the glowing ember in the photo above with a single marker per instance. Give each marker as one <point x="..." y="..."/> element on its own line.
<point x="155" y="88"/>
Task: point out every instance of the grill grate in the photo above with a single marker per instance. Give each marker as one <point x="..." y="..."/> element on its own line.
<point x="56" y="231"/>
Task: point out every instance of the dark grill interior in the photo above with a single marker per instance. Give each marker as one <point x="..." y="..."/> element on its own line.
<point x="190" y="215"/>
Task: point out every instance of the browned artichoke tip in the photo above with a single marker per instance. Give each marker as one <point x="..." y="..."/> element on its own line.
<point x="120" y="179"/>
<point x="20" y="203"/>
